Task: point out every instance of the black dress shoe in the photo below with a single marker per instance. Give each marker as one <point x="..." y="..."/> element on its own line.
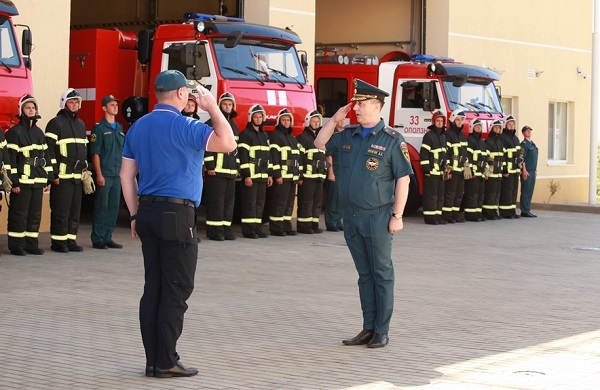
<point x="99" y="246"/>
<point x="341" y="228"/>
<point x="528" y="215"/>
<point x="18" y="252"/>
<point x="442" y="221"/>
<point x="278" y="234"/>
<point x="34" y="251"/>
<point x="379" y="340"/>
<point x="59" y="248"/>
<point x="177" y="370"/>
<point x="251" y="235"/>
<point x="113" y="245"/>
<point x="360" y="339"/>
<point x="332" y="229"/>
<point x="150" y="371"/>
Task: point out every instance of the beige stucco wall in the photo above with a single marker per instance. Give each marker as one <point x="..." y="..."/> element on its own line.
<point x="299" y="16"/>
<point x="532" y="35"/>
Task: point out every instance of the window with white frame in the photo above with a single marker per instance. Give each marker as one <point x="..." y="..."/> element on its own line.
<point x="558" y="132"/>
<point x="507" y="105"/>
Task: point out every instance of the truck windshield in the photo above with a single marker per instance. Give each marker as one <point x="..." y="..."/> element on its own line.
<point x="264" y="60"/>
<point x="473" y="96"/>
<point x="9" y="55"/>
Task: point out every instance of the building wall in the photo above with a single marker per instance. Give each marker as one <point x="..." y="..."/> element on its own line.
<point x="530" y="36"/>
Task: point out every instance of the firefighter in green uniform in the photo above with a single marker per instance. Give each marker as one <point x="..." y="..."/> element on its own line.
<point x="374" y="178"/>
<point x="106" y="148"/>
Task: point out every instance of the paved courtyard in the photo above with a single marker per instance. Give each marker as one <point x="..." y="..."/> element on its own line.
<point x="509" y="304"/>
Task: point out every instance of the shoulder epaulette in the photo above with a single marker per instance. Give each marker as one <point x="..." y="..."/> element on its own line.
<point x="389" y="131"/>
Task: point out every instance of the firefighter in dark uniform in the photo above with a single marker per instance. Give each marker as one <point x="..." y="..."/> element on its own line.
<point x="433" y="163"/>
<point x="333" y="210"/>
<point x="313" y="168"/>
<point x="374" y="178"/>
<point x="67" y="144"/>
<point x="107" y="140"/>
<point x="30" y="173"/>
<point x="495" y="150"/>
<point x="219" y="183"/>
<point x="454" y="187"/>
<point x="512" y="170"/>
<point x="474" y="187"/>
<point x="255" y="167"/>
<point x="285" y="155"/>
<point x="191" y="107"/>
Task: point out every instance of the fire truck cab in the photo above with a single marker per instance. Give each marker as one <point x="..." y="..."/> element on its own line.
<point x="257" y="64"/>
<point x="418" y="86"/>
<point x="15" y="66"/>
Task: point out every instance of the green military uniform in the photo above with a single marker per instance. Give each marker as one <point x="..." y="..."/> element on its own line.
<point x="369" y="168"/>
<point x="107" y="142"/>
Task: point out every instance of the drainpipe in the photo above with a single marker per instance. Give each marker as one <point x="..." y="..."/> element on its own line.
<point x="595" y="120"/>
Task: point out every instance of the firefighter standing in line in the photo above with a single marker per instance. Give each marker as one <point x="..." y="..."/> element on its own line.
<point x="433" y="161"/>
<point x="474" y="187"/>
<point x="107" y="141"/>
<point x="374" y="179"/>
<point x="495" y="150"/>
<point x="219" y="183"/>
<point x="457" y="155"/>
<point x="333" y="210"/>
<point x="31" y="174"/>
<point x="285" y="155"/>
<point x="313" y="168"/>
<point x="255" y="166"/>
<point x="191" y="107"/>
<point x="67" y="144"/>
<point x="512" y="170"/>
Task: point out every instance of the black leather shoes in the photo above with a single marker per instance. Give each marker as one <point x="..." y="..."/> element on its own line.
<point x="528" y="215"/>
<point x="251" y="235"/>
<point x="278" y="234"/>
<point x="35" y="251"/>
<point x="230" y="237"/>
<point x="100" y="246"/>
<point x="177" y="370"/>
<point x="379" y="340"/>
<point x="216" y="238"/>
<point x="262" y="235"/>
<point x="362" y="338"/>
<point x="59" y="248"/>
<point x="150" y="371"/>
<point x="332" y="229"/>
<point x="113" y="245"/>
<point x="74" y="248"/>
<point x="291" y="232"/>
<point x="18" y="252"/>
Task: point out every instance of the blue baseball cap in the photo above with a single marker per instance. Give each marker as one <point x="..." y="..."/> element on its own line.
<point x="171" y="80"/>
<point x="109" y="98"/>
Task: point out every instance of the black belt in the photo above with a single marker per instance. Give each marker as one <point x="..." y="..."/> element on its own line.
<point x="35" y="161"/>
<point x="259" y="162"/>
<point x="152" y="199"/>
<point x="320" y="164"/>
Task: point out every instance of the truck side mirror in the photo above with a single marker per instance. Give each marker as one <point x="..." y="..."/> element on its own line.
<point x="233" y="39"/>
<point x="304" y="61"/>
<point x="26" y="42"/>
<point x="428" y="96"/>
<point x="144" y="43"/>
<point x="499" y="92"/>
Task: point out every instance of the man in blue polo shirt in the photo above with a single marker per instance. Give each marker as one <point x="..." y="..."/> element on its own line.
<point x="373" y="177"/>
<point x="167" y="150"/>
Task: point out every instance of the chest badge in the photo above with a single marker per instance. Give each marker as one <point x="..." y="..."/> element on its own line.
<point x="372" y="164"/>
<point x="404" y="148"/>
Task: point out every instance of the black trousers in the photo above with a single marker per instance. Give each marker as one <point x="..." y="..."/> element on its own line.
<point x="454" y="189"/>
<point x="281" y="206"/>
<point x="433" y="197"/>
<point x="310" y="200"/>
<point x="508" y="195"/>
<point x="492" y="197"/>
<point x="252" y="206"/>
<point x="65" y="205"/>
<point x="24" y="216"/>
<point x="170" y="248"/>
<point x="474" y="193"/>
<point x="219" y="195"/>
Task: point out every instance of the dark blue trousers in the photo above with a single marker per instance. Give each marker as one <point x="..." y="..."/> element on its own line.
<point x="527" y="187"/>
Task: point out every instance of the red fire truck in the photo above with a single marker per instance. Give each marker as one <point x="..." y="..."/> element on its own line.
<point x="257" y="64"/>
<point x="418" y="85"/>
<point x="15" y="66"/>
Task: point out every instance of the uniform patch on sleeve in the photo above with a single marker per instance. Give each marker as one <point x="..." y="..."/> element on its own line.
<point x="93" y="138"/>
<point x="404" y="148"/>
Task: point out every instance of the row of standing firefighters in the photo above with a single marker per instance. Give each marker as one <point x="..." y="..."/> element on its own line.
<point x="469" y="178"/>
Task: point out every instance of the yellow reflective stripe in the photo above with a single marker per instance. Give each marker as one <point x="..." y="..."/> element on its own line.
<point x="52" y="135"/>
<point x="276" y="219"/>
<point x="59" y="238"/>
<point x="32" y="234"/>
<point x="209" y="158"/>
<point x="308" y="219"/>
<point x="64" y="141"/>
<point x="215" y="223"/>
<point x="251" y="220"/>
<point x="432" y="212"/>
<point x="16" y="234"/>
<point x="426" y="147"/>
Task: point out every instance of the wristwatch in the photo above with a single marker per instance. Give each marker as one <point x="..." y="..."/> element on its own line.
<point x="397" y="215"/>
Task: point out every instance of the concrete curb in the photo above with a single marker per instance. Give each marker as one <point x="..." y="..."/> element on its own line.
<point x="574" y="208"/>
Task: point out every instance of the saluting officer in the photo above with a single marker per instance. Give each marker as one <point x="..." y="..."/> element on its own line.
<point x="433" y="162"/>
<point x="313" y="170"/>
<point x="106" y="149"/>
<point x="221" y="171"/>
<point x="30" y="173"/>
<point x="454" y="187"/>
<point x="374" y="177"/>
<point x="285" y="155"/>
<point x="512" y="169"/>
<point x="474" y="188"/>
<point x="254" y="168"/>
<point x="67" y="144"/>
